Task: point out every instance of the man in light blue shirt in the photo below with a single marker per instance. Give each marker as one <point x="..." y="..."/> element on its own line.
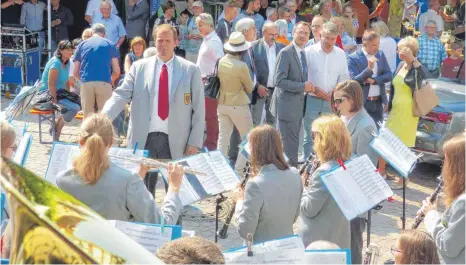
<point x="115" y="30"/>
<point x="251" y="12"/>
<point x="194" y="38"/>
<point x="32" y="16"/>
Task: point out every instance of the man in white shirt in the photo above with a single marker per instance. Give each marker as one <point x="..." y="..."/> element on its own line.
<point x="265" y="52"/>
<point x="93" y="10"/>
<point x="167" y="117"/>
<point x="210" y="51"/>
<point x="431" y="14"/>
<point x="327" y="66"/>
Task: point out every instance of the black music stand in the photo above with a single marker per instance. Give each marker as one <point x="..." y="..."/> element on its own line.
<point x="403" y="217"/>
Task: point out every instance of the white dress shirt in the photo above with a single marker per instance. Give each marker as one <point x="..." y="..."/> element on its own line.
<point x="157" y="124"/>
<point x="211" y="49"/>
<point x="374" y="90"/>
<point x="271" y="59"/>
<point x="326" y="70"/>
<point x="299" y="50"/>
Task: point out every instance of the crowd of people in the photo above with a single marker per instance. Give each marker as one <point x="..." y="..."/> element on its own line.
<point x="293" y="83"/>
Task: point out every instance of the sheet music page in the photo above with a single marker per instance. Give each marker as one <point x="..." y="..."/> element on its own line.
<point x="358" y="188"/>
<point x="293" y="242"/>
<point x="150" y="237"/>
<point x="325" y="257"/>
<point x="211" y="182"/>
<point x="281" y="256"/>
<point x="123" y="152"/>
<point x="62" y="157"/>
<point x="395" y="151"/>
<point x="222" y="169"/>
<point x="187" y="193"/>
<point x="23" y="142"/>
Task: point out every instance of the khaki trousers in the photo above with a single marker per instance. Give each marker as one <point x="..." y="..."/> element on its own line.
<point x="93" y="93"/>
<point x="229" y="116"/>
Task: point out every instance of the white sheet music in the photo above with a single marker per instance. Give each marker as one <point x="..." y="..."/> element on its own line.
<point x="358" y="188"/>
<point x="325" y="257"/>
<point x="63" y="154"/>
<point x="220" y="177"/>
<point x="394" y="151"/>
<point x="23" y="141"/>
<point x="150" y="237"/>
<point x="284" y="256"/>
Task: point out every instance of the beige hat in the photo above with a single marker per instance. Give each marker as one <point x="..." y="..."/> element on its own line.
<point x="198" y="4"/>
<point x="236" y="43"/>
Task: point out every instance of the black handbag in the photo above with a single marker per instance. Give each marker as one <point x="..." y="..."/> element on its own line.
<point x="212" y="84"/>
<point x="65" y="94"/>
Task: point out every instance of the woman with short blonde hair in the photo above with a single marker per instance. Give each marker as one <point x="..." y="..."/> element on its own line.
<point x="111" y="191"/>
<point x="320" y="216"/>
<point x="8" y="140"/>
<point x="270" y="203"/>
<point x="447" y="229"/>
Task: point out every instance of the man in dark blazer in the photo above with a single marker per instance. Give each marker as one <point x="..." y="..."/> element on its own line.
<point x="287" y="104"/>
<point x="265" y="52"/>
<point x="369" y="67"/>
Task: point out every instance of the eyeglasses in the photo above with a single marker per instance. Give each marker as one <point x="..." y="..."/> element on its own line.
<point x="14" y="147"/>
<point x="394" y="250"/>
<point x="338" y="101"/>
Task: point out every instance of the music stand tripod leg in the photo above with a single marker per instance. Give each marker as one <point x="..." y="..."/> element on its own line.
<point x="219" y="199"/>
<point x="368" y="240"/>
<point x="403" y="218"/>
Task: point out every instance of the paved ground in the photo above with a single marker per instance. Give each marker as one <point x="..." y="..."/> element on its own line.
<point x="200" y="217"/>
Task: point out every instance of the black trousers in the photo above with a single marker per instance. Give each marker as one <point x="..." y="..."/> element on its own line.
<point x="158" y="146"/>
<point x="358" y="225"/>
<point x="235" y="141"/>
<point x="375" y="110"/>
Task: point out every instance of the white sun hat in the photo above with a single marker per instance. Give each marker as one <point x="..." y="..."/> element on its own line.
<point x="236" y="43"/>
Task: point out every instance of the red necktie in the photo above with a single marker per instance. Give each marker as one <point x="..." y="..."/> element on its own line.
<point x="163" y="94"/>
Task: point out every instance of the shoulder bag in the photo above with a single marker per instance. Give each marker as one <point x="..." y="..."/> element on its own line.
<point x="212" y="83"/>
<point x="425" y="99"/>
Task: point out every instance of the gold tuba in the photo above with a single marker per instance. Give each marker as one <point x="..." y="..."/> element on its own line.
<point x="50" y="226"/>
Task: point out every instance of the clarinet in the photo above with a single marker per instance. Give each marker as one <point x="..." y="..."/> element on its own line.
<point x="309" y="167"/>
<point x="223" y="232"/>
<point x="420" y="217"/>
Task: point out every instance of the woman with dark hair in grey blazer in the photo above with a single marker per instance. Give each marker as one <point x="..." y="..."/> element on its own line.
<point x="448" y="228"/>
<point x="269" y="205"/>
<point x="320" y="216"/>
<point x="347" y="99"/>
<point x="111" y="191"/>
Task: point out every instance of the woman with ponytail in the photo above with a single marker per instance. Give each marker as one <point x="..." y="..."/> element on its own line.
<point x="111" y="191"/>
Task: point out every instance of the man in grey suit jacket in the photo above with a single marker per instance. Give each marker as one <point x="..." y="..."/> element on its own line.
<point x="168" y="112"/>
<point x="265" y="53"/>
<point x="290" y="84"/>
<point x="137" y="14"/>
<point x="369" y="67"/>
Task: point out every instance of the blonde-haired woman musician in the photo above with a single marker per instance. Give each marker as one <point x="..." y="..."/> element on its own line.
<point x="270" y="203"/>
<point x="320" y="216"/>
<point x="447" y="229"/>
<point x="111" y="191"/>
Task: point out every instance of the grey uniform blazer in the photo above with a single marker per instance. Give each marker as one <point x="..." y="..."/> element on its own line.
<point x="271" y="204"/>
<point x="360" y="128"/>
<point x="288" y="98"/>
<point x="320" y="217"/>
<point x="121" y="195"/>
<point x="186" y="113"/>
<point x="448" y="231"/>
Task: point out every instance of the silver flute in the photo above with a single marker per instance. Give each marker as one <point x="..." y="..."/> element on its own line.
<point x="152" y="163"/>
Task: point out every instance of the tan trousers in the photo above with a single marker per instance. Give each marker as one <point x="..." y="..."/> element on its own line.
<point x="229" y="116"/>
<point x="94" y="93"/>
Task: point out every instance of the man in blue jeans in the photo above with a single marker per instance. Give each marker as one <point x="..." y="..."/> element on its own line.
<point x="96" y="66"/>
